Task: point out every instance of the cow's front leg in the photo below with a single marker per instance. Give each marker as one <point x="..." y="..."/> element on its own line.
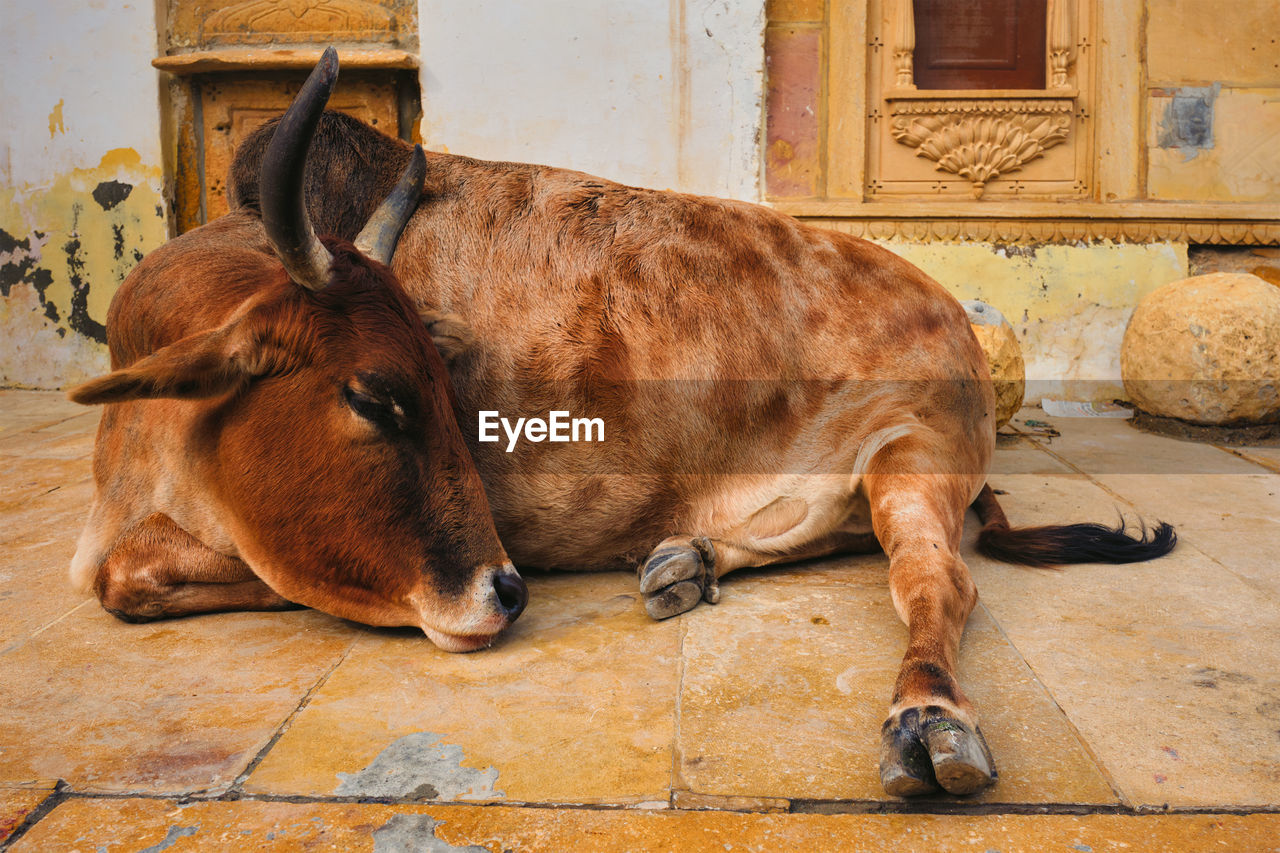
<point x="157" y="570"/>
<point x="678" y="574"/>
<point x="931" y="738"/>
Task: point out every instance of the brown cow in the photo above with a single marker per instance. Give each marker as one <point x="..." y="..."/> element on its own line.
<point x="279" y="429"/>
<point x="770" y="391"/>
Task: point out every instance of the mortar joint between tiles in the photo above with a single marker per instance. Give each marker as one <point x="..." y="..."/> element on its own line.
<point x="56" y="797"/>
<point x="235" y="791"/>
<point x="676" y="778"/>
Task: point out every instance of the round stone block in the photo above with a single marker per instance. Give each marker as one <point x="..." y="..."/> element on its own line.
<point x="1206" y="350"/>
<point x="1004" y="354"/>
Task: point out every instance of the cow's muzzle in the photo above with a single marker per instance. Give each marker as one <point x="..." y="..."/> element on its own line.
<point x="498" y="599"/>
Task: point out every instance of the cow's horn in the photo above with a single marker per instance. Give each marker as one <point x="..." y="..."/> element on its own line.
<point x="280" y="183"/>
<point x="380" y="234"/>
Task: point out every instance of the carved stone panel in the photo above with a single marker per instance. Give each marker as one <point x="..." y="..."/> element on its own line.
<point x="234" y="105"/>
<point x="980" y="139"/>
<point x="196" y="24"/>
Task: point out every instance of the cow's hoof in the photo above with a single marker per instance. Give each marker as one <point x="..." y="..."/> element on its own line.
<point x="676" y="577"/>
<point x="925" y="750"/>
<point x="668" y="566"/>
<point x="673" y="600"/>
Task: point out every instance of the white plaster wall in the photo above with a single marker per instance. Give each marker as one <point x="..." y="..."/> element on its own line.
<point x="79" y="111"/>
<point x="658" y="93"/>
<point x="93" y="57"/>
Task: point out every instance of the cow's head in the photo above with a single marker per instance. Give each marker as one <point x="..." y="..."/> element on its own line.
<point x="325" y="434"/>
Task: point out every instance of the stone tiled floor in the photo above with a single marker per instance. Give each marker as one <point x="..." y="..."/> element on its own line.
<point x="1132" y="706"/>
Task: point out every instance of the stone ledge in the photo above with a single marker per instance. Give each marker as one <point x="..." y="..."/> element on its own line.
<point x="279" y="59"/>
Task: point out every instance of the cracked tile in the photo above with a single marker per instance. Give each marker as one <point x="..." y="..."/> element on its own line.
<point x="166" y="707"/>
<point x="786" y="685"/>
<point x="575" y="704"/>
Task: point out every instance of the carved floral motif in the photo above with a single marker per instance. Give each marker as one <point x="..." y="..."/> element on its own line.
<point x="980" y="140"/>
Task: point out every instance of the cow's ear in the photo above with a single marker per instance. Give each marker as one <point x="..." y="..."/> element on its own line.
<point x="207" y="364"/>
<point x="449" y="332"/>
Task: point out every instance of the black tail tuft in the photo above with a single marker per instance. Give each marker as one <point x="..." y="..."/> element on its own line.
<point x="1053" y="545"/>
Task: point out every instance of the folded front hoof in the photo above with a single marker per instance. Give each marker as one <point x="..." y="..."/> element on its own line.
<point x="925" y="750"/>
<point x="668" y="566"/>
<point x="677" y="576"/>
<point x="673" y="600"/>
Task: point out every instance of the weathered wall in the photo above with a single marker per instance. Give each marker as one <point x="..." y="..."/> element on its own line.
<point x="1068" y="304"/>
<point x="1213" y="109"/>
<point x="661" y="93"/>
<point x="80" y="179"/>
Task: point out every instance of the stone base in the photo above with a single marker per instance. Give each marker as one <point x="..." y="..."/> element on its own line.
<point x="1249" y="435"/>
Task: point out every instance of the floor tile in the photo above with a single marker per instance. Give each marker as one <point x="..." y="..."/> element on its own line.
<point x="129" y="825"/>
<point x="785" y="687"/>
<point x="17" y="803"/>
<point x="175" y="706"/>
<point x="1104" y="446"/>
<point x="1266" y="457"/>
<point x="23" y="410"/>
<point x="34" y="586"/>
<point x="61" y="508"/>
<point x="68" y="439"/>
<point x="23" y="478"/>
<point x="1233" y="518"/>
<point x="575" y="704"/>
<point x="1023" y="456"/>
<point x="1168" y="669"/>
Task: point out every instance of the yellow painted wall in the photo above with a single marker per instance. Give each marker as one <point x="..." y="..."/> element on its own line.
<point x="1069" y="304"/>
<point x="65" y="247"/>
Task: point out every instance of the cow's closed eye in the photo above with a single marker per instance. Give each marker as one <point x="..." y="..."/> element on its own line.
<point x="384" y="412"/>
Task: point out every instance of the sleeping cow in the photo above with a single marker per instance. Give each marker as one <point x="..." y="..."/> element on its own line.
<point x="279" y="429"/>
<point x="769" y="392"/>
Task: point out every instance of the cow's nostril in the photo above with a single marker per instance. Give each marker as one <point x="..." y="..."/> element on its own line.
<point x="513" y="595"/>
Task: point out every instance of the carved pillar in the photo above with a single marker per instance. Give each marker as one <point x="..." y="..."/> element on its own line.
<point x="904" y="45"/>
<point x="1060" y="17"/>
<point x="236" y="63"/>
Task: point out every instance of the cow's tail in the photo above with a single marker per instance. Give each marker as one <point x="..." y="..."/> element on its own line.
<point x="1058" y="544"/>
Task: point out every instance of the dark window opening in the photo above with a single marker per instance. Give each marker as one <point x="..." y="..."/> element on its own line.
<point x="980" y="44"/>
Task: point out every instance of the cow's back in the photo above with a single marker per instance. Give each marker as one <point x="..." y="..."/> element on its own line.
<point x="713" y="338"/>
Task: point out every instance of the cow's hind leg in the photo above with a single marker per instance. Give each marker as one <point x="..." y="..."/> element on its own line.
<point x="156" y="570"/>
<point x="931" y="738"/>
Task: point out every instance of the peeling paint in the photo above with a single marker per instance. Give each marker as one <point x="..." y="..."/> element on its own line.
<point x="419" y="766"/>
<point x="1187" y="123"/>
<point x="65" y="248"/>
<point x="55" y="119"/>
<point x="110" y="193"/>
<point x="414" y="833"/>
<point x="1069" y="305"/>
